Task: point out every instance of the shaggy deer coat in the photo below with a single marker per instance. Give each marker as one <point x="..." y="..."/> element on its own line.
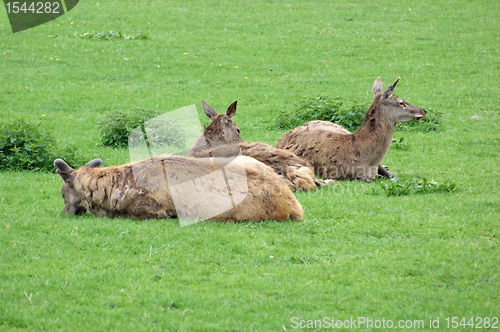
<point x="335" y="153"/>
<point x="133" y="190"/>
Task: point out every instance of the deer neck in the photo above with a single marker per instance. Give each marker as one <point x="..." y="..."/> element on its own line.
<point x="199" y="142"/>
<point x="373" y="139"/>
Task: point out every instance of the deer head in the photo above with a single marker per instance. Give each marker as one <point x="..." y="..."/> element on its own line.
<point x="395" y="108"/>
<point x="72" y="202"/>
<point x="222" y="127"/>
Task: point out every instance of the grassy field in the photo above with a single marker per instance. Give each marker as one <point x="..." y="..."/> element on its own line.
<point x="356" y="254"/>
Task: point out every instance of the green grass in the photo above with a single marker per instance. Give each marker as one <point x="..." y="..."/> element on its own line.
<point x="355" y="254"/>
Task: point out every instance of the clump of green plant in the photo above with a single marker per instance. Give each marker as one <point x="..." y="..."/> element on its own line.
<point x="117" y="126"/>
<point x="400" y="144"/>
<point x="24" y="146"/>
<point x="394" y="187"/>
<point x="431" y="122"/>
<point x="350" y="115"/>
<point x="110" y="35"/>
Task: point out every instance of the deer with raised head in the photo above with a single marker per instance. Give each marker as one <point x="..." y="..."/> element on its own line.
<point x="161" y="187"/>
<point x="336" y="153"/>
<point x="222" y="130"/>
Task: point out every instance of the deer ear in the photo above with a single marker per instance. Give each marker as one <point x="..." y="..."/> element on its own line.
<point x="65" y="171"/>
<point x="209" y="111"/>
<point x="231" y="110"/>
<point x="68" y="178"/>
<point x="390" y="90"/>
<point x="377" y="86"/>
<point x="94" y="163"/>
<point x="62" y="166"/>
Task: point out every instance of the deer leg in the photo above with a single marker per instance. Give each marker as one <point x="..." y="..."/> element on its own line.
<point x="383" y="171"/>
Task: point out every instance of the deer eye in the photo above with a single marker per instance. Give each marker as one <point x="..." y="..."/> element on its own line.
<point x="402" y="103"/>
<point x="238" y="130"/>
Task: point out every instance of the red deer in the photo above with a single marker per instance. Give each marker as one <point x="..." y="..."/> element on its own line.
<point x="335" y="153"/>
<point x="159" y="187"/>
<point x="222" y="129"/>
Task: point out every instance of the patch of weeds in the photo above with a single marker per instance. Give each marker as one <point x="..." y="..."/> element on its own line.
<point x="116" y="127"/>
<point x="350" y="115"/>
<point x="432" y="122"/>
<point x="110" y="35"/>
<point x="24" y="146"/>
<point x="400" y="144"/>
<point x="394" y="187"/>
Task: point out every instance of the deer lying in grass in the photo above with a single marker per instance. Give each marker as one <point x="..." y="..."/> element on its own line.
<point x="335" y="153"/>
<point x="145" y="189"/>
<point x="222" y="129"/>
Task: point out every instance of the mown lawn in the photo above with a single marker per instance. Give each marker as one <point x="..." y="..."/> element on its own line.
<point x="357" y="253"/>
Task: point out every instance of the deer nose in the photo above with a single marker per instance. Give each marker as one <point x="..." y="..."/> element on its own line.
<point x="424" y="111"/>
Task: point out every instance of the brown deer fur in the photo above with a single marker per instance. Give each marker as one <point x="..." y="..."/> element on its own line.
<point x="294" y="170"/>
<point x="335" y="153"/>
<point x="221" y="128"/>
<point x="114" y="191"/>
